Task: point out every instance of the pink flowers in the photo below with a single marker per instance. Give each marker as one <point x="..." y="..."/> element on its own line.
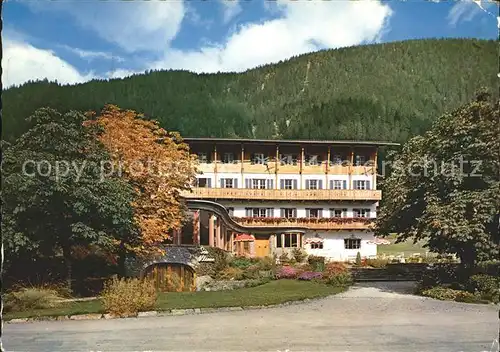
<point x="310" y="275"/>
<point x="287" y="272"/>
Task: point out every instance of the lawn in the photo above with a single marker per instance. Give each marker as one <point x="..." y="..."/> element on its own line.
<point x="274" y="292"/>
<point x="407" y="247"/>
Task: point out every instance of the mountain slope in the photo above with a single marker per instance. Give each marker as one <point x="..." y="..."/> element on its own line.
<point x="374" y="92"/>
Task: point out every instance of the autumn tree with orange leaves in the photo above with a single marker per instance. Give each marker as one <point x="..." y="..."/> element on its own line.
<point x="158" y="165"/>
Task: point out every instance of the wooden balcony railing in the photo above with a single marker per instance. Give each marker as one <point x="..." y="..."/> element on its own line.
<point x="311" y="223"/>
<point x="283" y="194"/>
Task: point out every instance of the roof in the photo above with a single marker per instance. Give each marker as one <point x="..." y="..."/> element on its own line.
<point x="286" y="141"/>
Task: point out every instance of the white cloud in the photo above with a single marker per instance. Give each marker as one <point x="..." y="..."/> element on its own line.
<point x="231" y="8"/>
<point x="303" y="27"/>
<point x="90" y="55"/>
<point x="466" y="10"/>
<point x="134" y="26"/>
<point x="22" y="62"/>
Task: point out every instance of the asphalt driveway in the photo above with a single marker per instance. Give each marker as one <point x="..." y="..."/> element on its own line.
<point x="368" y="318"/>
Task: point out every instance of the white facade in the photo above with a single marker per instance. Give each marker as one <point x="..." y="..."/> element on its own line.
<point x="333" y="245"/>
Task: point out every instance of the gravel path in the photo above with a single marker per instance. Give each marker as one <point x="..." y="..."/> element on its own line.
<point x="369" y="318"/>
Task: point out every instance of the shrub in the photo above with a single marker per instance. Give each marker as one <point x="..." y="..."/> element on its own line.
<point x="337" y="274"/>
<point x="126" y="297"/>
<point x="486" y="286"/>
<point x="358" y="259"/>
<point x="299" y="255"/>
<point x="377" y="263"/>
<point x="231" y="273"/>
<point x="317" y="263"/>
<point x="287" y="272"/>
<point x="221" y="258"/>
<point x="449" y="294"/>
<point x="28" y="298"/>
<point x="241" y="262"/>
<point x="284" y="257"/>
<point x="265" y="263"/>
<point x="310" y="275"/>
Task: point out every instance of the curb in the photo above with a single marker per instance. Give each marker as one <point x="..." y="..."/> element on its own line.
<point x="154" y="313"/>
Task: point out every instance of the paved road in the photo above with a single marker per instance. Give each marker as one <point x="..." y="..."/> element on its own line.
<point x="368" y="318"/>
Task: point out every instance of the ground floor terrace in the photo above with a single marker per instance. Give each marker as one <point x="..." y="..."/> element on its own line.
<point x="336" y="244"/>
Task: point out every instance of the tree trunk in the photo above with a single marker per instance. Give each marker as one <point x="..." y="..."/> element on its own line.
<point x="69" y="268"/>
<point x="122" y="254"/>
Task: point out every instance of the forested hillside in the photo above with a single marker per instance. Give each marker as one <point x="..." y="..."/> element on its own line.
<point x="374" y="92"/>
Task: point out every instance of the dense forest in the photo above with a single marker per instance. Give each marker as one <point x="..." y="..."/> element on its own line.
<point x="374" y="92"/>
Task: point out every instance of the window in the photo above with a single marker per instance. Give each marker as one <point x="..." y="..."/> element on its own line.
<point x="258" y="158"/>
<point x="288" y="159"/>
<point x="288" y="184"/>
<point x="361" y="213"/>
<point x="259" y="212"/>
<point x="338" y="213"/>
<point x="203" y="158"/>
<point x="352" y="243"/>
<point x="204" y="182"/>
<point x="338" y="184"/>
<point x="314" y="213"/>
<point x="361" y="184"/>
<point x="288" y="212"/>
<point x="337" y="159"/>
<point x="228" y="183"/>
<point x="359" y="160"/>
<point x="288" y="240"/>
<point x="246" y="247"/>
<point x="230" y="211"/>
<point x="318" y="245"/>
<point x="312" y="160"/>
<point x="228" y="158"/>
<point x="259" y="183"/>
<point x="314" y="184"/>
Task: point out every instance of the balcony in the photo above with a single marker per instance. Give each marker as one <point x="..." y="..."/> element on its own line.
<point x="310" y="223"/>
<point x="283" y="194"/>
<point x="271" y="168"/>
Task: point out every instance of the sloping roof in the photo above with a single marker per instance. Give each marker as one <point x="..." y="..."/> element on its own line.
<point x="286" y="141"/>
<point x="244" y="237"/>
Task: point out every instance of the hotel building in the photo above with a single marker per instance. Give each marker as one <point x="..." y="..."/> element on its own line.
<point x="263" y="197"/>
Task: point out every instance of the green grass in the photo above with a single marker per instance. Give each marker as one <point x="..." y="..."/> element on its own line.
<point x="407" y="247"/>
<point x="274" y="292"/>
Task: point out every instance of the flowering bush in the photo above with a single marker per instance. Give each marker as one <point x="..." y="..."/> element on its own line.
<point x="287" y="272"/>
<point x="337" y="274"/>
<point x="310" y="275"/>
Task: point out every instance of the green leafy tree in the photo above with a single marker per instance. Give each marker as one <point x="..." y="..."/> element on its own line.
<point x="444" y="186"/>
<point x="54" y="198"/>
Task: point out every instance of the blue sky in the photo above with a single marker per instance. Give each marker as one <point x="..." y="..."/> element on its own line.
<point x="74" y="41"/>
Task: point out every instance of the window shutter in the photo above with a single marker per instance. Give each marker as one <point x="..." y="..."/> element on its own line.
<point x="320" y="184"/>
<point x="308" y="212"/>
<point x="248" y="212"/>
<point x="270" y="212"/>
<point x="294" y="184"/>
<point x="235" y="185"/>
<point x="282" y="212"/>
<point x="331" y="184"/>
<point x="320" y="213"/>
<point x="368" y="185"/>
<point x="247" y="183"/>
<point x="308" y="184"/>
<point x="282" y="184"/>
<point x="221" y="183"/>
<point x="269" y="184"/>
<point x="294" y="212"/>
<point x="344" y="184"/>
<point x="209" y="182"/>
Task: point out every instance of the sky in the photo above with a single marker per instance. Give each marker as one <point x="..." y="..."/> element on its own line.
<point x="74" y="41"/>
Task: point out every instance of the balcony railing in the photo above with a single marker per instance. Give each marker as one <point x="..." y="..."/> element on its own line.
<point x="310" y="223"/>
<point x="283" y="194"/>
